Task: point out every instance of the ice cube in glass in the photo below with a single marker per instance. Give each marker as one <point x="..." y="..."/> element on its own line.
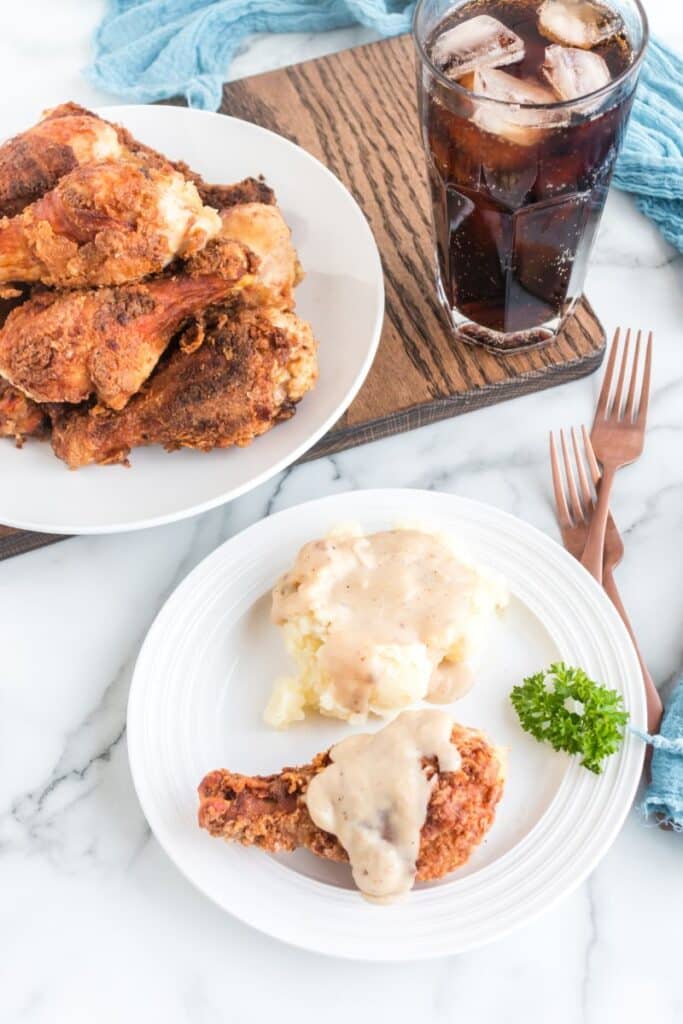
<point x="572" y="73"/>
<point x="478" y="42"/>
<point x="517" y="121"/>
<point x="579" y="23"/>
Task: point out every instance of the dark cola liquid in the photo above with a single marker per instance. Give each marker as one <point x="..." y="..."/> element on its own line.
<point x="515" y="223"/>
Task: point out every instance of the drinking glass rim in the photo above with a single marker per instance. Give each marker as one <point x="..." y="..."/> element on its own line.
<point x="555" y="105"/>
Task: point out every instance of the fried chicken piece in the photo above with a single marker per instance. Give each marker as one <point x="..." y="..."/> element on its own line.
<point x="232" y="380"/>
<point x="270" y="811"/>
<point x="249" y="190"/>
<point x="66" y="137"/>
<point x="33" y="162"/>
<point x="106" y="223"/>
<point x="69" y="135"/>
<point x="19" y="416"/>
<point x="65" y="346"/>
<point x="263" y="229"/>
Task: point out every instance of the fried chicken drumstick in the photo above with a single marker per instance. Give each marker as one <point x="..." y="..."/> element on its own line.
<point x="65" y="346"/>
<point x="225" y="384"/>
<point x="32" y="163"/>
<point x="106" y="223"/>
<point x="87" y="208"/>
<point x="270" y="811"/>
<point x="67" y="136"/>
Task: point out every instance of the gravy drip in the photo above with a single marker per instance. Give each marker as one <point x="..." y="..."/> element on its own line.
<point x="374" y="796"/>
<point x="396" y="588"/>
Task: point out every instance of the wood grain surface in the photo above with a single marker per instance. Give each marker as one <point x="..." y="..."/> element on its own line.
<point x="356" y="111"/>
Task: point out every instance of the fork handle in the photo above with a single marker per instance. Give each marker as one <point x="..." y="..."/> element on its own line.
<point x="652" y="698"/>
<point x="593" y="553"/>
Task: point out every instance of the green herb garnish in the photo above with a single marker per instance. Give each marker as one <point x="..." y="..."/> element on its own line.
<point x="571" y="712"/>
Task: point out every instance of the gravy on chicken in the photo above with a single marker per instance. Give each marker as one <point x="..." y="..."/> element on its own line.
<point x="374" y="796"/>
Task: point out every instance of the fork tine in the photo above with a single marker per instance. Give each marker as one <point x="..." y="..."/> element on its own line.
<point x="603" y="398"/>
<point x="560" y="500"/>
<point x="615" y="409"/>
<point x="586" y="493"/>
<point x="574" y="500"/>
<point x="590" y="454"/>
<point x="631" y="398"/>
<point x="645" y="386"/>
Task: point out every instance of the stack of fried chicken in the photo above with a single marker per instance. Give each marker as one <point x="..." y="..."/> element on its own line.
<point x="138" y="304"/>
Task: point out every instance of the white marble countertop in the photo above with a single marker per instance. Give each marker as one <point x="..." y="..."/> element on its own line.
<point x="95" y="922"/>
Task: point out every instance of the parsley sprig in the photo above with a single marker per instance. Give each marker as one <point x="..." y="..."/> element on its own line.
<point x="565" y="708"/>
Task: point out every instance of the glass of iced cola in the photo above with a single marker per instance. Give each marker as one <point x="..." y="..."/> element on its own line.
<point x="523" y="107"/>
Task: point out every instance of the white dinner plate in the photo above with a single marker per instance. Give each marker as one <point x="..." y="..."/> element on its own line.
<point x="342" y="295"/>
<point x="204" y="675"/>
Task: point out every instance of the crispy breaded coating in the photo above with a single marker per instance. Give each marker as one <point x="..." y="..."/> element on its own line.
<point x="109" y="250"/>
<point x="69" y="135"/>
<point x="33" y="162"/>
<point x="262" y="228"/>
<point x="221" y="197"/>
<point x="270" y="811"/>
<point x="19" y="416"/>
<point x="65" y="346"/>
<point x="230" y="379"/>
<point x="106" y="223"/>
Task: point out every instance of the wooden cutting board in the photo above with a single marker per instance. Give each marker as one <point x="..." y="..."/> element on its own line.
<point x="356" y="111"/>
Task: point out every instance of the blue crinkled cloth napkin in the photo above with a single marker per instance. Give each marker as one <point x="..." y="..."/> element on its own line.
<point x="149" y="50"/>
<point x="664" y="795"/>
<point x="651" y="162"/>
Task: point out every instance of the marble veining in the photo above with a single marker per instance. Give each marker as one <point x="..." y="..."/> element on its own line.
<point x="96" y="924"/>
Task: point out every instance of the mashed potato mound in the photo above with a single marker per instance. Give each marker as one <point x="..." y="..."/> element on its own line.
<point x="377" y="622"/>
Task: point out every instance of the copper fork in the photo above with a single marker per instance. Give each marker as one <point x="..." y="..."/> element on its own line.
<point x="574" y="518"/>
<point x="618" y="435"/>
